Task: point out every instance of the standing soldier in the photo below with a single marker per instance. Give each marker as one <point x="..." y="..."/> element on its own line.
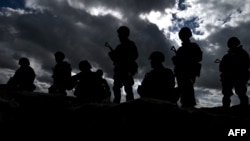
<point x="61" y="75"/>
<point x="234" y="68"/>
<point x="187" y="67"/>
<point x="125" y="66"/>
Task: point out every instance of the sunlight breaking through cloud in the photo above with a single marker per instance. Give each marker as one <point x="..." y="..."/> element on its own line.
<point x="102" y="11"/>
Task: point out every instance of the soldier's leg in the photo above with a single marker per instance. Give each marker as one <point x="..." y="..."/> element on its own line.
<point x="128" y="83"/>
<point x="227" y="91"/>
<point x="241" y="90"/>
<point x="129" y="93"/>
<point x="186" y="89"/>
<point x="188" y="99"/>
<point x="117" y="89"/>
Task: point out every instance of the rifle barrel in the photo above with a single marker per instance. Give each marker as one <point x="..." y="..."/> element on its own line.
<point x="173" y="49"/>
<point x="107" y="45"/>
<point x="217" y="61"/>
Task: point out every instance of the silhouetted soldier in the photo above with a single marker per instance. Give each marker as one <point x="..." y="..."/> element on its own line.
<point x="103" y="87"/>
<point x="187" y="67"/>
<point x="234" y="68"/>
<point x="125" y="67"/>
<point x="88" y="87"/>
<point x="61" y="75"/>
<point x="84" y="81"/>
<point x="159" y="83"/>
<point x="23" y="78"/>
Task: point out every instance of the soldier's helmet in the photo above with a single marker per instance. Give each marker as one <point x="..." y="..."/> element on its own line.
<point x="59" y="55"/>
<point x="185" y="33"/>
<point x="99" y="72"/>
<point x="84" y="65"/>
<point x="123" y="30"/>
<point x="157" y="56"/>
<point x="233" y="42"/>
<point x="24" y="62"/>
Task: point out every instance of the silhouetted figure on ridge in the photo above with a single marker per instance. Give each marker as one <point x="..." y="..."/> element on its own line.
<point x="84" y="81"/>
<point x="23" y="78"/>
<point x="61" y="75"/>
<point x="187" y="67"/>
<point x="125" y="67"/>
<point x="234" y="68"/>
<point x="159" y="83"/>
<point x="103" y="87"/>
<point x="88" y="84"/>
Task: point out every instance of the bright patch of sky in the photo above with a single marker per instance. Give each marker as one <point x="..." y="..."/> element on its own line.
<point x="208" y="97"/>
<point x="162" y="20"/>
<point x="95" y="10"/>
<point x="212" y="47"/>
<point x="102" y="11"/>
<point x="204" y="18"/>
<point x="10" y="11"/>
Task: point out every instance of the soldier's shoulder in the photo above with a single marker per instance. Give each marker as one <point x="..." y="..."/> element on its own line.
<point x="168" y="70"/>
<point x="244" y="51"/>
<point x="195" y="45"/>
<point x="132" y="43"/>
<point x="65" y="63"/>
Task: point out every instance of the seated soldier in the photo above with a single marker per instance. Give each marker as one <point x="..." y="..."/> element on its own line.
<point x="103" y="87"/>
<point x="88" y="84"/>
<point x="61" y="75"/>
<point x="159" y="83"/>
<point x="23" y="78"/>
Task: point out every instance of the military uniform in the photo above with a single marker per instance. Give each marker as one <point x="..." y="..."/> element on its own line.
<point x="187" y="68"/>
<point x="125" y="67"/>
<point x="234" y="74"/>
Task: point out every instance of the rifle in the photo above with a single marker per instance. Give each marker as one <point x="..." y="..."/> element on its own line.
<point x="111" y="55"/>
<point x="108" y="46"/>
<point x="173" y="49"/>
<point x="197" y="67"/>
<point x="217" y="61"/>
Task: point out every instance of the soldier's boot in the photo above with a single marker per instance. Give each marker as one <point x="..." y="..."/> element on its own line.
<point x="226" y="101"/>
<point x="244" y="100"/>
<point x="129" y="93"/>
<point x="117" y="95"/>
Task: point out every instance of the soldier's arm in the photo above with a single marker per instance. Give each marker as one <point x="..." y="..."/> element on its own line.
<point x="133" y="51"/>
<point x="198" y="52"/>
<point x="222" y="64"/>
<point x="170" y="78"/>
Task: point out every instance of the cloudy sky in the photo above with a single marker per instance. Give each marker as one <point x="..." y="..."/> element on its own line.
<point x="38" y="28"/>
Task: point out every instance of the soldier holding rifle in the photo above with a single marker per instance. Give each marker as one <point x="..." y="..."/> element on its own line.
<point x="125" y="67"/>
<point x="187" y="67"/>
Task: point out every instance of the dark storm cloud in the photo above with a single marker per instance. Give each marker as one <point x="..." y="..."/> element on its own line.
<point x="79" y="28"/>
<point x="48" y="26"/>
<point x="88" y="41"/>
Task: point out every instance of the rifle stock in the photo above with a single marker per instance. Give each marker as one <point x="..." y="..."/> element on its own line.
<point x="217" y="61"/>
<point x="173" y="49"/>
<point x="108" y="46"/>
